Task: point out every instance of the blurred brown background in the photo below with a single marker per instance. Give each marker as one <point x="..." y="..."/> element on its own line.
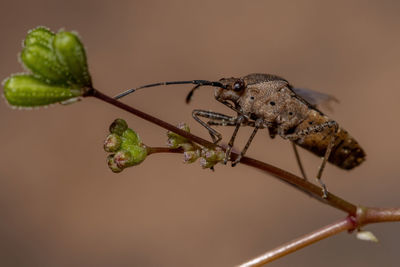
<point x="60" y="205"/>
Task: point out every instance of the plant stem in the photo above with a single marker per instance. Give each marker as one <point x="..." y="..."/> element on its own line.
<point x="284" y="176"/>
<point x="306" y="240"/>
<point x="364" y="216"/>
<point x="153" y="150"/>
<point x="357" y="216"/>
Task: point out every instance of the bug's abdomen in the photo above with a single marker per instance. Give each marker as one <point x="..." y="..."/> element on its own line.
<point x="346" y="153"/>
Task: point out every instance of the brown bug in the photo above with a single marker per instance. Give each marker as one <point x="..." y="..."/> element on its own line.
<point x="269" y="101"/>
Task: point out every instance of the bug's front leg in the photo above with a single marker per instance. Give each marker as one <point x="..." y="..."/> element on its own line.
<point x="215" y="136"/>
<point x="334" y="127"/>
<point x="258" y="125"/>
<point x="239" y="121"/>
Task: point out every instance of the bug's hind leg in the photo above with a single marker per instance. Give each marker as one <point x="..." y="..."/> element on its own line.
<point x="326" y="156"/>
<point x="332" y="134"/>
<point x="297" y="155"/>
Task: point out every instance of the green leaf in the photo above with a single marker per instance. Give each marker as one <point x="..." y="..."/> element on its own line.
<point x="28" y="91"/>
<point x="71" y="53"/>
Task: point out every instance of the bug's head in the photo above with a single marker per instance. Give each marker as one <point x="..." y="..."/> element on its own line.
<point x="231" y="90"/>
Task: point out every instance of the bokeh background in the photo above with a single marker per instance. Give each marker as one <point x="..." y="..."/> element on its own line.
<point x="60" y="205"/>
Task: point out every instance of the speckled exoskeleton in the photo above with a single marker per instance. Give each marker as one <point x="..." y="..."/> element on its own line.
<point x="269" y="101"/>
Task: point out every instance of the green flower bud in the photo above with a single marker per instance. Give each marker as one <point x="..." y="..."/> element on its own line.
<point x="139" y="154"/>
<point x="112" y="165"/>
<point x="126" y="143"/>
<point x="183" y="126"/>
<point x="29" y="91"/>
<point x="112" y="143"/>
<point x="123" y="159"/>
<point x="206" y="164"/>
<point x="176" y="141"/>
<point x="40" y="36"/>
<point x="216" y="154"/>
<point x="191" y="156"/>
<point x="210" y="157"/>
<point x="118" y="126"/>
<point x="71" y="53"/>
<point x="42" y="61"/>
<point x="131" y="136"/>
<point x="173" y="143"/>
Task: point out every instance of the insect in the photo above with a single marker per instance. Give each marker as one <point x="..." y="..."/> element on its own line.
<point x="269" y="101"/>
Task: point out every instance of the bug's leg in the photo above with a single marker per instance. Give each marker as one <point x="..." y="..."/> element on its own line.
<point x="215" y="136"/>
<point x="272" y="132"/>
<point x="296" y="153"/>
<point x="230" y="122"/>
<point x="257" y="126"/>
<point x="239" y="121"/>
<point x="316" y="129"/>
<point x="326" y="157"/>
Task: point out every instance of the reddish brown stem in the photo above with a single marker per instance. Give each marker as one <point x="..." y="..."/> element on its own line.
<point x="375" y="215"/>
<point x="153" y="150"/>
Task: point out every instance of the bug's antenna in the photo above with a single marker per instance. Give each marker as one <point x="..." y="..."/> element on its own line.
<point x="197" y="82"/>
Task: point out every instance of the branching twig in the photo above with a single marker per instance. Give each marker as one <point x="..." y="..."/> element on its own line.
<point x="357" y="216"/>
<point x="287" y="177"/>
<point x="306" y="240"/>
<point x="364" y="216"/>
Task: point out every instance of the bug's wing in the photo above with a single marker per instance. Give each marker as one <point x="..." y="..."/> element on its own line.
<point x="316" y="98"/>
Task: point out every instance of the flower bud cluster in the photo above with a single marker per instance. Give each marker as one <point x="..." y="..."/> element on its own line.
<point x="125" y="147"/>
<point x="208" y="156"/>
<point x="58" y="66"/>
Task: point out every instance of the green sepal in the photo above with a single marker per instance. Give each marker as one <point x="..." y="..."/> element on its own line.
<point x="71" y="53"/>
<point x="138" y="151"/>
<point x="41" y="36"/>
<point x="118" y="126"/>
<point x="112" y="143"/>
<point x="112" y="164"/>
<point x="43" y="63"/>
<point x="28" y="91"/>
<point x="139" y="154"/>
<point x="131" y="136"/>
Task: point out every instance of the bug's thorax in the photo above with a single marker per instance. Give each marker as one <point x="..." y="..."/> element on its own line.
<point x="276" y="104"/>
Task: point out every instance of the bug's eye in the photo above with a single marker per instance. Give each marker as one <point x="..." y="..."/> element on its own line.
<point x="238" y="85"/>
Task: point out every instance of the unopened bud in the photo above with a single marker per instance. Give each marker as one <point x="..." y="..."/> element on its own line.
<point x="139" y="154"/>
<point x="131" y="136"/>
<point x="123" y="159"/>
<point x="176" y="141"/>
<point x="183" y="126"/>
<point x="71" y="54"/>
<point x="112" y="143"/>
<point x="112" y="165"/>
<point x="206" y="164"/>
<point x="216" y="154"/>
<point x="210" y="157"/>
<point x="118" y="126"/>
<point x="191" y="156"/>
